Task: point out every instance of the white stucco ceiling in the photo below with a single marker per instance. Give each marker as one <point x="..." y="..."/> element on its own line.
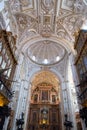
<point x="46" y="52"/>
<point x="46" y="18"/>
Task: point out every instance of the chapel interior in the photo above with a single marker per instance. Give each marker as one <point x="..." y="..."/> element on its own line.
<point x="43" y="64"/>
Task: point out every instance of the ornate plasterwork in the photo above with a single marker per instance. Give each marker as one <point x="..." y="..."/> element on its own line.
<point x="67" y="4"/>
<point x="67" y="26"/>
<point x="48" y="17"/>
<point x="21" y="5"/>
<point x="25" y="23"/>
<point x="26" y="4"/>
<point x="61" y="68"/>
<point x="80" y="7"/>
<point x="62" y="32"/>
<point x="47" y="77"/>
<point x="28" y="33"/>
<point x="47" y="5"/>
<point x="46" y="52"/>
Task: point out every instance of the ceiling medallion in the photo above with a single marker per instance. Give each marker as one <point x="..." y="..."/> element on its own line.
<point x="46" y="52"/>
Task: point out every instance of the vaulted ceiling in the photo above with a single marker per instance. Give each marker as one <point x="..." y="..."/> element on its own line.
<point x="48" y="17"/>
<point x="46" y="28"/>
<point x="43" y="19"/>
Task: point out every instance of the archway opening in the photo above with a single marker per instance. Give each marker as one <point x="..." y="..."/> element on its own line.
<point x="44" y="109"/>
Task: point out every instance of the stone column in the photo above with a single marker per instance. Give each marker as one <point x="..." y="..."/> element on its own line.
<point x="16" y="87"/>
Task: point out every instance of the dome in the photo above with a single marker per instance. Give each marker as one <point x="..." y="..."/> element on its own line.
<point x="46" y="52"/>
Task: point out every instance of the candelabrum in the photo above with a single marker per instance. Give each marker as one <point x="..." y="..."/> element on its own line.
<point x="20" y="122"/>
<point x="67" y="124"/>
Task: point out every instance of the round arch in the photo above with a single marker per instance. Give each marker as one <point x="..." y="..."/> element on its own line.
<point x="66" y="44"/>
<point x="56" y="92"/>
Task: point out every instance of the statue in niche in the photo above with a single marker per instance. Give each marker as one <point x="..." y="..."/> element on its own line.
<point x="35" y="97"/>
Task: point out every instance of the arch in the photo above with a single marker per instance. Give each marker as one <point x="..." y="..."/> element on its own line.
<point x="44" y="76"/>
<point x="66" y="44"/>
<point x="48" y="96"/>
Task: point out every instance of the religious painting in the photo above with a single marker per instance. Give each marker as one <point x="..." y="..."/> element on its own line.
<point x="44" y="95"/>
<point x="35" y="97"/>
<point x="53" y="98"/>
